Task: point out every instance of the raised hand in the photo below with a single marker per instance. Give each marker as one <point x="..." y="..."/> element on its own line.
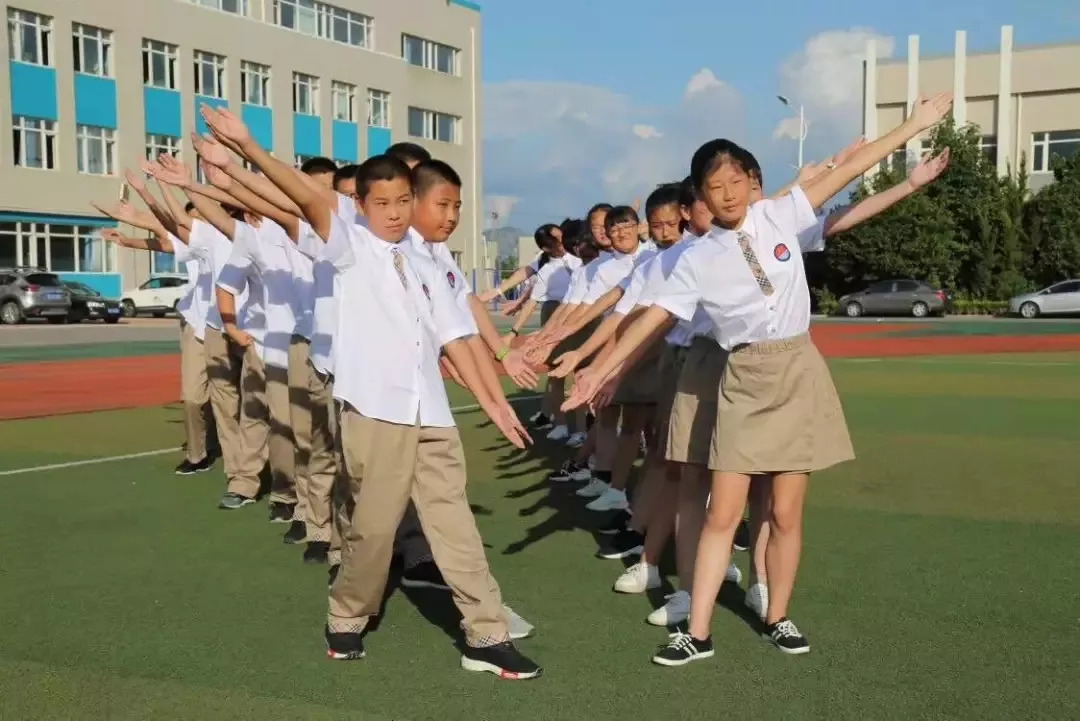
<point x="605" y="396"/>
<point x="171" y="171"/>
<point x="217" y="177"/>
<point x="112" y="235"/>
<point x="507" y="422"/>
<point x="586" y="385"/>
<point x="212" y="152"/>
<point x="226" y="124"/>
<point x="565" y="364"/>
<point x="122" y="211"/>
<point x="136" y="181"/>
<point x="927" y="112"/>
<point x="809" y="171"/>
<point x="519" y="371"/>
<point x="929" y="169"/>
<point x="846" y="153"/>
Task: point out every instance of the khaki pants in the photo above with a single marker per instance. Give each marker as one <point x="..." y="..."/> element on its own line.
<point x="311" y="404"/>
<point x="388" y="464"/>
<point x="199" y="426"/>
<point x="238" y="397"/>
<point x="281" y="445"/>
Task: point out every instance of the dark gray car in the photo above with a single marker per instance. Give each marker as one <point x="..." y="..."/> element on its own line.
<point x="897" y="297"/>
<point x="32" y="293"/>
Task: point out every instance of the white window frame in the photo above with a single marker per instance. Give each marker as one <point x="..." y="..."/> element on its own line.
<point x="378" y="103"/>
<point x="219" y="64"/>
<point x="343" y="101"/>
<point x="84" y="35"/>
<point x="242" y="6"/>
<point x="168" y="53"/>
<point x="88" y="135"/>
<point x="25" y="127"/>
<point x="323" y="20"/>
<point x="299" y="159"/>
<point x="430" y="130"/>
<point x="1042" y="141"/>
<point x="311" y="82"/>
<point x="30" y="238"/>
<point x="254" y="75"/>
<point x="158" y="144"/>
<point x="41" y="26"/>
<point x="429" y="52"/>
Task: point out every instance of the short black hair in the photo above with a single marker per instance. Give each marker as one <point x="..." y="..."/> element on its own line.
<point x="409" y="152"/>
<point x="715" y="153"/>
<point x="688" y="192"/>
<point x="429" y="173"/>
<point x="620" y="214"/>
<point x="318" y="166"/>
<point x="573" y="230"/>
<point x="754" y="169"/>
<point x="189" y="206"/>
<point x="380" y="167"/>
<point x="596" y="209"/>
<point x="666" y="194"/>
<point x="544" y="237"/>
<point x="345" y="172"/>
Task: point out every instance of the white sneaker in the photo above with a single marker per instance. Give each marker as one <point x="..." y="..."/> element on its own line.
<point x="733" y="574"/>
<point x="639" y="578"/>
<point x="558" y="433"/>
<point x="676" y="610"/>
<point x="757" y="599"/>
<point x="581" y="474"/>
<point x="610" y="500"/>
<point x="518" y="626"/>
<point x="592" y="489"/>
<point x="577" y="440"/>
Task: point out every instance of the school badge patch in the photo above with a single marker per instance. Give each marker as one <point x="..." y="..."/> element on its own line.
<point x="781" y="252"/>
<point x="451" y="279"/>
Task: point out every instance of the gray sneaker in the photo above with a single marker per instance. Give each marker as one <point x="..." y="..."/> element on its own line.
<point x="518" y="626"/>
<point x="233" y="501"/>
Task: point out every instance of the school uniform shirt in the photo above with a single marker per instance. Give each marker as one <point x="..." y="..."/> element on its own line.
<point x="218" y="248"/>
<point x="647" y="280"/>
<point x="611" y="272"/>
<point x="553" y="280"/>
<point x="579" y="288"/>
<point x="434" y="268"/>
<point x="241" y="277"/>
<point x="195" y="302"/>
<point x="460" y="287"/>
<point x="714" y="274"/>
<point x="386" y="348"/>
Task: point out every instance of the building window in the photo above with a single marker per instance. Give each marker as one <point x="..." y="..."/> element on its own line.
<point x="344" y="101"/>
<point x="378" y="108"/>
<point x="159" y="64"/>
<point x="237" y="7"/>
<point x="1046" y="146"/>
<point x="29" y="37"/>
<point x="209" y="74"/>
<point x="988" y="146"/>
<point x="92" y="50"/>
<point x="432" y="125"/>
<point x="305" y="94"/>
<point x="58" y="248"/>
<point x="255" y="84"/>
<point x="158" y="144"/>
<point x="34" y="142"/>
<point x="96" y="149"/>
<point x="430" y="54"/>
<point x="326" y="21"/>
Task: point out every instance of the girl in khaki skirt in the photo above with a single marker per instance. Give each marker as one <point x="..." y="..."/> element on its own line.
<point x="778" y="413"/>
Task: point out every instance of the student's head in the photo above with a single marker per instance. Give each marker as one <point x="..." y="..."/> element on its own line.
<point x="757" y="181"/>
<point x="384" y="185"/>
<point x="663" y="215"/>
<point x="595" y="219"/>
<point x="549" y="238"/>
<point x="696" y="216"/>
<point x="721" y="173"/>
<point x="321" y="169"/>
<point x="586" y="248"/>
<point x="621" y="226"/>
<point x="192" y="211"/>
<point x="409" y="153"/>
<point x="345" y="180"/>
<point x="436" y="200"/>
<point x="572" y="232"/>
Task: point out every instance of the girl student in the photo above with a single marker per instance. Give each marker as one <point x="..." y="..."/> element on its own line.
<point x="778" y="413"/>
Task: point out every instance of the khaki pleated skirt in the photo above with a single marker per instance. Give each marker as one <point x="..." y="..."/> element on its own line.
<point x="669" y="368"/>
<point x="777" y="411"/>
<point x="693" y="408"/>
<point x="642" y="384"/>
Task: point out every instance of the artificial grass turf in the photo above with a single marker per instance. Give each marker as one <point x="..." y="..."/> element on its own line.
<point x="939" y="581"/>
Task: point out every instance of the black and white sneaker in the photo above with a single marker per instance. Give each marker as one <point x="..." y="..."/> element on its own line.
<point x="570" y="471"/>
<point x="787" y="638"/>
<point x="282" y="512"/>
<point x="541" y="422"/>
<point x="742" y="536"/>
<point x="316" y="552"/>
<point x="296" y="534"/>
<point x="617" y="524"/>
<point x="332" y="574"/>
<point x="682" y="648"/>
<point x="502" y="659"/>
<point x="424" y="575"/>
<point x="344" y="646"/>
<point x="187" y="468"/>
<point x="626" y="543"/>
<point x="234" y="501"/>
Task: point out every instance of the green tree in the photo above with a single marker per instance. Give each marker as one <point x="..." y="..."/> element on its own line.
<point x="1052" y="225"/>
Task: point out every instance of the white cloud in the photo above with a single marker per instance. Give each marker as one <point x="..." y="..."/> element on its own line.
<point x="788" y="128"/>
<point x="702" y="81"/>
<point x="646" y="132"/>
<point x="503" y="205"/>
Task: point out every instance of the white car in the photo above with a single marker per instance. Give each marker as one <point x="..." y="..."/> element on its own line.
<point x="157" y="296"/>
<point x="1059" y="299"/>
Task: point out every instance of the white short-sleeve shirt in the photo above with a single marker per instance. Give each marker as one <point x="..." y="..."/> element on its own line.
<point x="241" y="277"/>
<point x="612" y="272"/>
<point x="195" y="303"/>
<point x="579" y="287"/>
<point x="714" y="274"/>
<point x="436" y="269"/>
<point x="553" y="280"/>
<point x="218" y="249"/>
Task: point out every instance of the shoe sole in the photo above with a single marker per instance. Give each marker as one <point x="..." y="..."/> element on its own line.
<point x="634" y="591"/>
<point x="619" y="555"/>
<point x="293" y="542"/>
<point x="788" y="651"/>
<point x="246" y="503"/>
<point x="192" y="473"/>
<point x="471" y="664"/>
<point x="581" y="477"/>
<point x="424" y="584"/>
<point x="579" y="494"/>
<point x="601" y="509"/>
<point x="610" y="531"/>
<point x="740" y="548"/>
<point x="351" y="656"/>
<point x="282" y="520"/>
<point x="668" y="622"/>
<point x="683" y="661"/>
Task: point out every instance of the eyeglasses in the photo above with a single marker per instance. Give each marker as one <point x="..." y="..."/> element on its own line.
<point x="624" y="228"/>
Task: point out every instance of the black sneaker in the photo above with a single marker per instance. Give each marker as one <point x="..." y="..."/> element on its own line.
<point x="188" y="468"/>
<point x="502" y="659"/>
<point x="424" y="575"/>
<point x="296" y="534"/>
<point x="541" y="422"/>
<point x="316" y="552"/>
<point x="617" y="524"/>
<point x="570" y="471"/>
<point x="742" y="536"/>
<point x="625" y="543"/>
<point x="234" y="501"/>
<point x="344" y="646"/>
<point x="787" y="638"/>
<point x="682" y="648"/>
<point x="332" y="574"/>
<point x="282" y="512"/>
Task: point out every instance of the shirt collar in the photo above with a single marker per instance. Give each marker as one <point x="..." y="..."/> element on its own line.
<point x="727" y="236"/>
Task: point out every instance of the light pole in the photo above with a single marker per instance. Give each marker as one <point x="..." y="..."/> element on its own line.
<point x="803" y="129"/>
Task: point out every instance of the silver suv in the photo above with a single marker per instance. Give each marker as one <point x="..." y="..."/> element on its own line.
<point x="32" y="293"/>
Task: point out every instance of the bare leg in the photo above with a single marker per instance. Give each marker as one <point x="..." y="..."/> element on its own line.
<point x="785" y="540"/>
<point x="690" y="519"/>
<point x="634" y="419"/>
<point x="760" y="496"/>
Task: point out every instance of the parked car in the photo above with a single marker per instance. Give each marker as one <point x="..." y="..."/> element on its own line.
<point x="157" y="296"/>
<point x="1059" y="299"/>
<point x="88" y="304"/>
<point x="32" y="293"/>
<point x="897" y="297"/>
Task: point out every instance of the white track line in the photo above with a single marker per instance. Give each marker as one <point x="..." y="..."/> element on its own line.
<point x="174" y="449"/>
<point x="960" y="361"/>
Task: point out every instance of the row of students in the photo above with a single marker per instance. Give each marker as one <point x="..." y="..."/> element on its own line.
<point x="328" y="304"/>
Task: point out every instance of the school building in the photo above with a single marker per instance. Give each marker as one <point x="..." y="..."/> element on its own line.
<point x="1025" y="100"/>
<point x="94" y="86"/>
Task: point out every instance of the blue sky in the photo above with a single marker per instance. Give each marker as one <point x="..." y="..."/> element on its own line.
<point x="589" y="100"/>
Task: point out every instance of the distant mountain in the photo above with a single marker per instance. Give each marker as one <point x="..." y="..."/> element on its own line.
<point x="507" y="239"/>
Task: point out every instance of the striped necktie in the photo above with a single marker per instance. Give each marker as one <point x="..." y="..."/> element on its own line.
<point x="399" y="266"/>
<point x="755" y="266"/>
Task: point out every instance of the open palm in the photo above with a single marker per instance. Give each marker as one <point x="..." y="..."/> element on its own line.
<point x="226" y="124"/>
<point x="929" y="170"/>
<point x="212" y="152"/>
